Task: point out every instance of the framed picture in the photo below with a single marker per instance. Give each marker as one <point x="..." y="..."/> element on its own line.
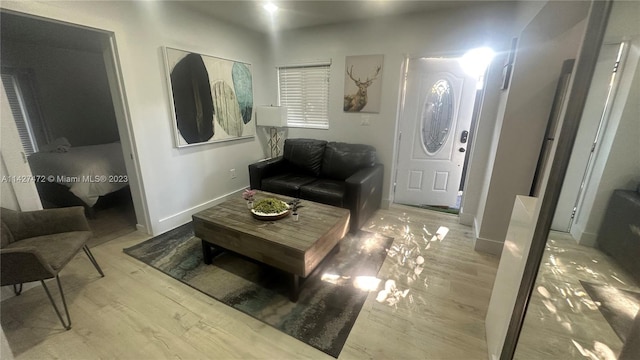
<point x="211" y="98"/>
<point x="363" y="83"/>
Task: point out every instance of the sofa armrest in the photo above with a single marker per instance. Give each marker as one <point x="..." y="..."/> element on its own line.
<point x="264" y="169"/>
<point x="364" y="194"/>
<point x="22" y="265"/>
<point x="30" y="224"/>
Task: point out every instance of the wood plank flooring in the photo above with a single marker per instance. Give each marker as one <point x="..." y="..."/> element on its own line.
<point x="114" y="221"/>
<point x="563" y="322"/>
<point x="435" y="310"/>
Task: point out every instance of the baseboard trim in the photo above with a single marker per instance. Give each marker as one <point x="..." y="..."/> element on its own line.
<point x="488" y="246"/>
<point x="588" y="239"/>
<point x="184" y="216"/>
<point x="466" y="219"/>
<point x="142" y="228"/>
<point x="385" y="204"/>
<point x="475" y="228"/>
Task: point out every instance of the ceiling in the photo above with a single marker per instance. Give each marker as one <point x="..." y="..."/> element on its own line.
<point x="306" y="13"/>
<point x="246" y="13"/>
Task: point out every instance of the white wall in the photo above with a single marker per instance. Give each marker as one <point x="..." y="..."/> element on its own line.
<point x="442" y="33"/>
<point x="553" y="35"/>
<point x="72" y="91"/>
<point x="8" y="198"/>
<point x="176" y="182"/>
<point x="480" y="155"/>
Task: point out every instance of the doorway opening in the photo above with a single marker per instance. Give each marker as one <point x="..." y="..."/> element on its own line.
<point x="66" y="99"/>
<point x="441" y="101"/>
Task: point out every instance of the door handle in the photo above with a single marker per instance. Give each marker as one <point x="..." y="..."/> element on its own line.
<point x="464" y="136"/>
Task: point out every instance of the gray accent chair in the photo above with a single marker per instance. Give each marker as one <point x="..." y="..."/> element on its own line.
<point x="36" y="245"/>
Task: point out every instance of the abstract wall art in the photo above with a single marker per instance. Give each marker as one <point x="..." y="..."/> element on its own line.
<point x="211" y="98"/>
<point x="362" y="83"/>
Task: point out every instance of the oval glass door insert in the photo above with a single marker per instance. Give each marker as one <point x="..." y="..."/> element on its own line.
<point x="437" y="116"/>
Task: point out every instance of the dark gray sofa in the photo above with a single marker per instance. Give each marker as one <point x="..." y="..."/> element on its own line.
<point x="332" y="173"/>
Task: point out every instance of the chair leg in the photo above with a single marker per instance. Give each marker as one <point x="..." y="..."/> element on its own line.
<point x="17" y="289"/>
<point x="66" y="325"/>
<point x="92" y="259"/>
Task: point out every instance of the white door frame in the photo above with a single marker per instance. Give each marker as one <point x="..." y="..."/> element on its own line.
<point x="123" y="118"/>
<point x="125" y="129"/>
<point x="576" y="183"/>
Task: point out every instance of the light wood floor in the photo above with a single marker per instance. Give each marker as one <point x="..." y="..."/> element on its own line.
<point x="563" y="322"/>
<point x="136" y="312"/>
<point x="111" y="222"/>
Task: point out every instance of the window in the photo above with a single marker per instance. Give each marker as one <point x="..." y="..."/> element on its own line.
<point x="437" y="116"/>
<point x="304" y="90"/>
<point x="18" y="109"/>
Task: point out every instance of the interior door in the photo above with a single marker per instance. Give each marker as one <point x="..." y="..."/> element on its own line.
<point x="434" y="128"/>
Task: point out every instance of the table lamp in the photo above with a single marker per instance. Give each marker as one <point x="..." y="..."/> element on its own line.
<point x="273" y="117"/>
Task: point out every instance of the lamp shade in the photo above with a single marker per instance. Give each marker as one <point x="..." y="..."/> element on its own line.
<point x="273" y="116"/>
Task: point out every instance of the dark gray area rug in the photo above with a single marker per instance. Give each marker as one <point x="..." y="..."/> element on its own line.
<point x="615" y="305"/>
<point x="329" y="302"/>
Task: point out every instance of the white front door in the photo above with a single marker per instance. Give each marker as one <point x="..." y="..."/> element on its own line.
<point x="434" y="128"/>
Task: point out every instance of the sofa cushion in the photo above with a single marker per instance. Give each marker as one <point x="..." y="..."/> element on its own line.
<point x="306" y="154"/>
<point x="287" y="184"/>
<point x="326" y="191"/>
<point x="342" y="160"/>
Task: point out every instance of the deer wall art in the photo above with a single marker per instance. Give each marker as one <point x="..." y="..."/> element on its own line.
<point x="356" y="101"/>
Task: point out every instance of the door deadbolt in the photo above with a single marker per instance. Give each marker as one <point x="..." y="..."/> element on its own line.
<point x="464" y="136"/>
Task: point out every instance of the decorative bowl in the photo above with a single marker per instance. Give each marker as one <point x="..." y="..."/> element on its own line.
<point x="272" y="216"/>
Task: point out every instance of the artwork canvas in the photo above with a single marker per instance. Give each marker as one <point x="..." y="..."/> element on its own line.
<point x="211" y="98"/>
<point x="363" y="83"/>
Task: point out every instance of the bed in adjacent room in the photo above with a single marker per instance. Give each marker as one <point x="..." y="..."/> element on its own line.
<point x="79" y="175"/>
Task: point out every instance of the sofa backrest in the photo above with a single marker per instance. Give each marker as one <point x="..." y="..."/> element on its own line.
<point x="342" y="160"/>
<point x="305" y="154"/>
<point x="8" y="220"/>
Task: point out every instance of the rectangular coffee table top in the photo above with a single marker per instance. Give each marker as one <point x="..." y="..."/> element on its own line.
<point x="293" y="246"/>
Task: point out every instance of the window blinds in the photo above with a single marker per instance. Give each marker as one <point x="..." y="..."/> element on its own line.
<point x="304" y="90"/>
<point x="18" y="110"/>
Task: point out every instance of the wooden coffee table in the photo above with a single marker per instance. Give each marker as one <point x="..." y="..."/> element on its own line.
<point x="296" y="247"/>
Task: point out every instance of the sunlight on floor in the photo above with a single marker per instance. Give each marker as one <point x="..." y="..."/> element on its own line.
<point x="408" y="252"/>
<point x="600" y="351"/>
<point x="562" y="305"/>
<point x="367" y="283"/>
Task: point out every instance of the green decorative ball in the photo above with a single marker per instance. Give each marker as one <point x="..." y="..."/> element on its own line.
<point x="270" y="206"/>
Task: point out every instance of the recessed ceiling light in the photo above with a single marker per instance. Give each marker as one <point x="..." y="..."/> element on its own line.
<point x="270" y="8"/>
